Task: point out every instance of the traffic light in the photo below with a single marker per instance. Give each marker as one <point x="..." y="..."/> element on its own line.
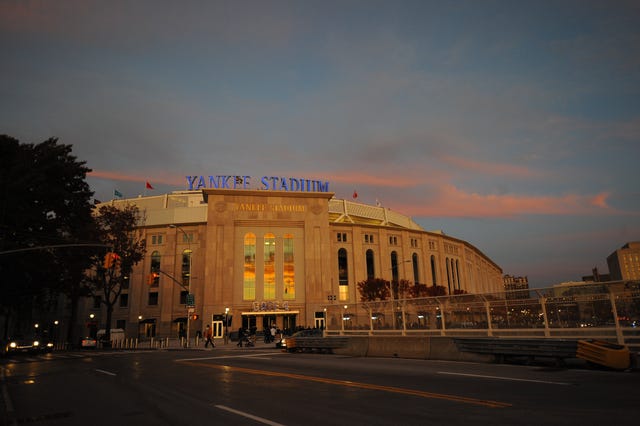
<point x="194" y="317"/>
<point x="111" y="260"/>
<point x="153" y="278"/>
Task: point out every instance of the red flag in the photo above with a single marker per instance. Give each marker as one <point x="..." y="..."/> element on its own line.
<point x="355" y="194"/>
<point x="149" y="186"/>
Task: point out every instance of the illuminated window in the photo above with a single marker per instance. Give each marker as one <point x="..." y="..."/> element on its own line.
<point x="269" y="266"/>
<point x="186" y="263"/>
<point x="155" y="268"/>
<point x="343" y="274"/>
<point x="249" y="279"/>
<point x="289" y="275"/>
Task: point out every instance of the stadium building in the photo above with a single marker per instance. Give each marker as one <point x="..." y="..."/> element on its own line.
<point x="275" y="253"/>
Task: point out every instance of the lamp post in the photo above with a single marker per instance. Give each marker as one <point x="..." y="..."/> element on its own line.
<point x="189" y="285"/>
<point x="394" y="274"/>
<point x="226" y="325"/>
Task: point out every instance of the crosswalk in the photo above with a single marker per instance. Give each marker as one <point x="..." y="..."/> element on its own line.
<point x="53" y="356"/>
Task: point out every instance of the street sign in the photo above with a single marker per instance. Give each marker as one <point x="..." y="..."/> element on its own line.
<point x="191" y="310"/>
<point x="191" y="300"/>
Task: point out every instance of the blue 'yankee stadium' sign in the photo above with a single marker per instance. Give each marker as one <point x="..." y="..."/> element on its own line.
<point x="273" y="183"/>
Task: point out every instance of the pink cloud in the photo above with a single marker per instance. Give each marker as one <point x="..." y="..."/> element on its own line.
<point x="487" y="168"/>
<point x="454" y="202"/>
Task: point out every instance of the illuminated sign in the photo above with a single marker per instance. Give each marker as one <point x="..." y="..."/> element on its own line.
<point x="271" y="183"/>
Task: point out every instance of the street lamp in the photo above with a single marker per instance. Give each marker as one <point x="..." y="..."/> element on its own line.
<point x="189" y="285"/>
<point x="226" y="325"/>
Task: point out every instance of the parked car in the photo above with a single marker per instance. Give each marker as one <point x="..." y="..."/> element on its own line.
<point x="88" y="343"/>
<point x="309" y="332"/>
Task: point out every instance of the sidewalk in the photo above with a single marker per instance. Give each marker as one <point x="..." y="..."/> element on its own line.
<point x="175" y="344"/>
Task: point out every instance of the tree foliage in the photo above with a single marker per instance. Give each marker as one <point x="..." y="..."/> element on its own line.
<point x="118" y="228"/>
<point x="45" y="202"/>
<point x="423" y="290"/>
<point x="374" y="289"/>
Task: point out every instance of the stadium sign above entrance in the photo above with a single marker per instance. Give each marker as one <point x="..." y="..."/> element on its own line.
<point x="269" y="183"/>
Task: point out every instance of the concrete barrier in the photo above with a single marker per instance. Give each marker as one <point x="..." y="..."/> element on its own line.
<point x="422" y="347"/>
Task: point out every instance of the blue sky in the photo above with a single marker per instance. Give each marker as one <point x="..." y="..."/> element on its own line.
<point x="512" y="125"/>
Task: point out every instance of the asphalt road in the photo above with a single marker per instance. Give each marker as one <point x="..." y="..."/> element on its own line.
<point x="253" y="386"/>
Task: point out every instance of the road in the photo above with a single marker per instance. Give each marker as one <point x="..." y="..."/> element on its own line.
<point x="255" y="386"/>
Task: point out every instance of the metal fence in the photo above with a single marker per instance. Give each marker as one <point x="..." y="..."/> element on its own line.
<point x="609" y="311"/>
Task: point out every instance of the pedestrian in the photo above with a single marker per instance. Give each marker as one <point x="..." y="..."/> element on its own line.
<point x="240" y="336"/>
<point x="208" y="334"/>
<point x="273" y="332"/>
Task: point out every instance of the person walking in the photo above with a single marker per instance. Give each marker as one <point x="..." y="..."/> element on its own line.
<point x="240" y="336"/>
<point x="208" y="335"/>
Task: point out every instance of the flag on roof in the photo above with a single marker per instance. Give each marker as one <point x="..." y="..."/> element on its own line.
<point x="117" y="193"/>
<point x="149" y="185"/>
<point x="355" y="194"/>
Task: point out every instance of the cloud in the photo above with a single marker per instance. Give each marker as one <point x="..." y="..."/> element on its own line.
<point x="452" y="201"/>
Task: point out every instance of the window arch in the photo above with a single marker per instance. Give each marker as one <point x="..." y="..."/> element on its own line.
<point x="288" y="274"/>
<point x="371" y="269"/>
<point x="249" y="276"/>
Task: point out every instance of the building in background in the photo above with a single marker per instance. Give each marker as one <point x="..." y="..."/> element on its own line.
<point x="516" y="287"/>
<point x="624" y="263"/>
<point x="259" y="257"/>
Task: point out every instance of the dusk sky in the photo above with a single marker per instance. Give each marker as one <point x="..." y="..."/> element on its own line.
<point x="512" y="125"/>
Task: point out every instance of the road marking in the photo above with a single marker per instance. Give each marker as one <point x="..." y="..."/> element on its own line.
<point x="258" y="355"/>
<point x="513" y="379"/>
<point x="108" y="373"/>
<point x="368" y="386"/>
<point x="249" y="416"/>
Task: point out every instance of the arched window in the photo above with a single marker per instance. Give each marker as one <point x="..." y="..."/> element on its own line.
<point x="371" y="270"/>
<point x="269" y="266"/>
<point x="458" y="274"/>
<point x="343" y="267"/>
<point x="343" y="274"/>
<point x="288" y="274"/>
<point x="186" y="267"/>
<point x="249" y="278"/>
<point x="448" y="265"/>
<point x="394" y="266"/>
<point x="416" y="272"/>
<point x="155" y="268"/>
<point x="433" y="271"/>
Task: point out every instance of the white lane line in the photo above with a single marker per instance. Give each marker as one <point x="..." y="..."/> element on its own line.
<point x="259" y="355"/>
<point x="108" y="373"/>
<point x="249" y="416"/>
<point x="513" y="379"/>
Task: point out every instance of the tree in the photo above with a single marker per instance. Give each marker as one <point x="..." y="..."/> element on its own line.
<point x="44" y="203"/>
<point x="373" y="289"/>
<point x="423" y="290"/>
<point x="119" y="229"/>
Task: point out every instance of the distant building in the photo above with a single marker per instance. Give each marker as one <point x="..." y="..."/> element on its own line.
<point x="596" y="277"/>
<point x="512" y="284"/>
<point x="624" y="263"/>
